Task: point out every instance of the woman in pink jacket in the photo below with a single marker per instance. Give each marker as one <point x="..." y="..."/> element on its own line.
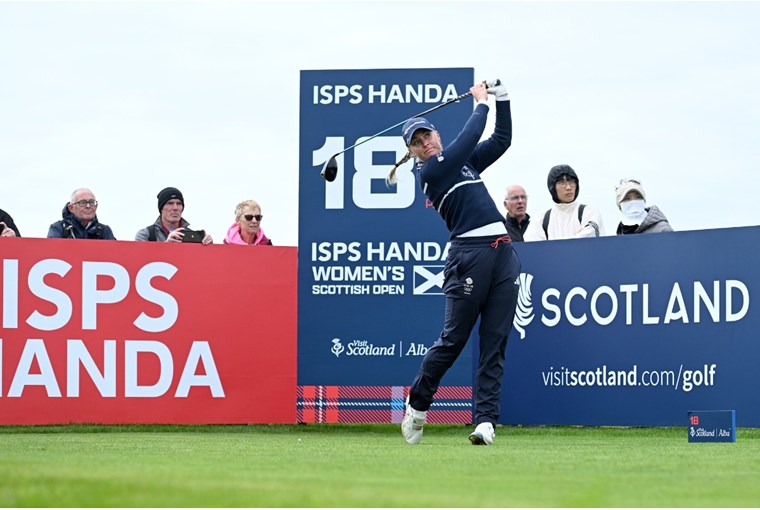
<point x="247" y="227"/>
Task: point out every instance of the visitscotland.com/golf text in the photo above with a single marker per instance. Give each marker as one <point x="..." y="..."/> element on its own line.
<point x="685" y="379"/>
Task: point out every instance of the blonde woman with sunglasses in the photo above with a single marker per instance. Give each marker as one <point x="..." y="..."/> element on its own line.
<point x="247" y="227"/>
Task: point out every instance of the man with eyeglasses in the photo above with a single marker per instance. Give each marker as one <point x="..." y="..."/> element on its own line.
<point x="80" y="219"/>
<point x="170" y="226"/>
<point x="517" y="219"/>
<point x="568" y="218"/>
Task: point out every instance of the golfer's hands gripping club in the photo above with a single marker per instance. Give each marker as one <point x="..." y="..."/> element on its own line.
<point x="479" y="92"/>
<point x="499" y="90"/>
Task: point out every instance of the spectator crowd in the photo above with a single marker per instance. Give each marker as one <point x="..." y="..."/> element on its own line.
<point x="568" y="218"/>
<point x="79" y="220"/>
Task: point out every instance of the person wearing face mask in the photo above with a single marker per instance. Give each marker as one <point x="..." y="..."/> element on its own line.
<point x="637" y="217"/>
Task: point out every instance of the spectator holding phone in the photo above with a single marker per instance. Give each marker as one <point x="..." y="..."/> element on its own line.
<point x="170" y="226"/>
<point x="247" y="227"/>
<point x="7" y="227"/>
<point x="80" y="220"/>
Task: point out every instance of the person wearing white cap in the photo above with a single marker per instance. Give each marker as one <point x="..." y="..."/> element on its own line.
<point x="637" y="217"/>
<point x="481" y="277"/>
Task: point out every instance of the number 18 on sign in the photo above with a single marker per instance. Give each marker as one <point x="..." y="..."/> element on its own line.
<point x="712" y="426"/>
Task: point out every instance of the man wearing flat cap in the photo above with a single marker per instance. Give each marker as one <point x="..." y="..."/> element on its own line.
<point x="170" y="226"/>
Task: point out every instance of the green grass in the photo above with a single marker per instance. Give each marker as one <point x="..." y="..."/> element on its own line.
<point x="370" y="466"/>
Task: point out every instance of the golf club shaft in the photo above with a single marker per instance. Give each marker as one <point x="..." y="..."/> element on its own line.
<point x="454" y="100"/>
<point x="330" y="168"/>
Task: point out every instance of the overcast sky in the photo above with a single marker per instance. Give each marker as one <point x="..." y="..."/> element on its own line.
<point x="129" y="97"/>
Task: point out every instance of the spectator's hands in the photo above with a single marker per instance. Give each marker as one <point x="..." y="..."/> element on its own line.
<point x="500" y="91"/>
<point x="479" y="92"/>
<point x="175" y="236"/>
<point x="6" y="231"/>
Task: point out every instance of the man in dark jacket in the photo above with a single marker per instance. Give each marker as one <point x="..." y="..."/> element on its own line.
<point x="516" y="203"/>
<point x="170" y="226"/>
<point x="80" y="220"/>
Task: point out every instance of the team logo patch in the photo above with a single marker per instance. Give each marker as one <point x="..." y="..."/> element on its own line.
<point x="468" y="286"/>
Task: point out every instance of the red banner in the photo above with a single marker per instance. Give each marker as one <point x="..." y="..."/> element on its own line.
<point x="130" y="332"/>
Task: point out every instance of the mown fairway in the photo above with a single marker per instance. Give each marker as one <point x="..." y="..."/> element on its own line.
<point x="370" y="466"/>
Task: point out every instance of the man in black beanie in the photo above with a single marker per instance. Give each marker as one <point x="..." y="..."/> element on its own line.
<point x="170" y="226"/>
<point x="167" y="194"/>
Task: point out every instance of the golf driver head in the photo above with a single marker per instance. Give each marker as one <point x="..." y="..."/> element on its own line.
<point x="330" y="170"/>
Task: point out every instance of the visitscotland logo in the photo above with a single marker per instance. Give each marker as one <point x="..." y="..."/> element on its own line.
<point x="337" y="347"/>
<point x="688" y="302"/>
<point x="361" y="348"/>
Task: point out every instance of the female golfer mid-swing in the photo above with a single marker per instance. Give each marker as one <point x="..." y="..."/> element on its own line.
<point x="481" y="278"/>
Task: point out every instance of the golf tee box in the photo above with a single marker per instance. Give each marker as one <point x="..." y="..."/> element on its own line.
<point x="712" y="426"/>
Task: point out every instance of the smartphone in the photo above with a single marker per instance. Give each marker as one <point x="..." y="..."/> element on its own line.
<point x="193" y="236"/>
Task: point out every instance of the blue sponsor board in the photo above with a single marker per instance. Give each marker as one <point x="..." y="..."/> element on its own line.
<point x="635" y="330"/>
<point x="371" y="257"/>
<point x="712" y="426"/>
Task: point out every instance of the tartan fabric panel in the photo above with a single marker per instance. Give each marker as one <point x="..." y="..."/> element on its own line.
<point x="378" y="404"/>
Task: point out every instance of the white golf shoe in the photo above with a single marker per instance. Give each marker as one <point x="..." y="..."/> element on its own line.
<point x="483" y="434"/>
<point x="411" y="425"/>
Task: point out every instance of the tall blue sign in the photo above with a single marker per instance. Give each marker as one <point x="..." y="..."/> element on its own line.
<point x="371" y="257"/>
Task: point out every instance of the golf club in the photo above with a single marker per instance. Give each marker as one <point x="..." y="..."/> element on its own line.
<point x="330" y="169"/>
